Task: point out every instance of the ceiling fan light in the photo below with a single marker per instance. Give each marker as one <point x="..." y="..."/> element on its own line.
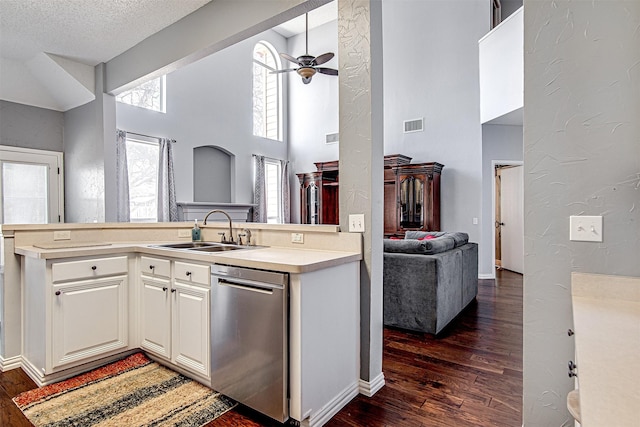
<point x="306" y="72"/>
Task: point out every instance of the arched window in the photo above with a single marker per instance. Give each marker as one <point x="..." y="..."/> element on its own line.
<point x="267" y="92"/>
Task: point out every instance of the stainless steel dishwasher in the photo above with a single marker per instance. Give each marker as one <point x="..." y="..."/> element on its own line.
<point x="249" y="338"/>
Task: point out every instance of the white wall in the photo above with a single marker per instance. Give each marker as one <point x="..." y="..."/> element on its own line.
<point x="501" y="69"/>
<point x="581" y="157"/>
<point x="210" y="103"/>
<point x="431" y="71"/>
<point x="499" y="143"/>
<point x="313" y="109"/>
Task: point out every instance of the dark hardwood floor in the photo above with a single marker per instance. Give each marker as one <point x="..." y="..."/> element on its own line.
<point x="470" y="375"/>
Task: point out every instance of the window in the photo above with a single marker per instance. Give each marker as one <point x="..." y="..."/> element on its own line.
<point x="267" y="103"/>
<point x="273" y="185"/>
<point x="142" y="165"/>
<point x="149" y="95"/>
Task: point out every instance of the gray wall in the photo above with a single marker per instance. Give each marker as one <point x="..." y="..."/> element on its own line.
<point x="500" y="143"/>
<point x="581" y="157"/>
<point x="431" y="71"/>
<point x="212" y="173"/>
<point x="210" y="102"/>
<point x="31" y="127"/>
<point x="84" y="166"/>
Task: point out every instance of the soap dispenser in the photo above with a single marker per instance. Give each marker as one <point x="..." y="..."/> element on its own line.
<point x="195" y="232"/>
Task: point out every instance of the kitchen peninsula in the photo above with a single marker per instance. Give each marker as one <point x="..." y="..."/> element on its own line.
<point x="80" y="295"/>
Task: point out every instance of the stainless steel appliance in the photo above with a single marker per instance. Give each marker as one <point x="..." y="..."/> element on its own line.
<point x="249" y="323"/>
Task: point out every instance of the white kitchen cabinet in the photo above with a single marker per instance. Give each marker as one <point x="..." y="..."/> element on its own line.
<point x="76" y="312"/>
<point x="175" y="313"/>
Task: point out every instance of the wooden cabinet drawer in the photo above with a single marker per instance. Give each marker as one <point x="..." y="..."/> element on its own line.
<point x="155" y="267"/>
<point x="89" y="268"/>
<point x="192" y="273"/>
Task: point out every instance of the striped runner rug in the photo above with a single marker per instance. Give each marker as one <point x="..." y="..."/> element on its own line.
<point x="134" y="391"/>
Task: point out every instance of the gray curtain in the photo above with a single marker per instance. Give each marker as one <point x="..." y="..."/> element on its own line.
<point x="167" y="207"/>
<point x="285" y="214"/>
<point x="123" y="210"/>
<point x="259" y="190"/>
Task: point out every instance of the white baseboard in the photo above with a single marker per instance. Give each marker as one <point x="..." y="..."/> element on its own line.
<point x="369" y="388"/>
<point x="487" y="276"/>
<point x="10" y="363"/>
<point x="333" y="407"/>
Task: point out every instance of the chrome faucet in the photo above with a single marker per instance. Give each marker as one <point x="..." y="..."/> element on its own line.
<point x="228" y="217"/>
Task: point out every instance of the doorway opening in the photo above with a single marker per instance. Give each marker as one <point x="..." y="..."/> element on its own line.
<point x="508" y="216"/>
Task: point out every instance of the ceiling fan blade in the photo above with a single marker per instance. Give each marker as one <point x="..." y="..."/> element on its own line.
<point x="329" y="71"/>
<point x="289" y="58"/>
<point x="323" y="58"/>
<point x="283" y="71"/>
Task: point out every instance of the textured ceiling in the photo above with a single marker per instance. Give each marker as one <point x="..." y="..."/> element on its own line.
<point x="86" y="31"/>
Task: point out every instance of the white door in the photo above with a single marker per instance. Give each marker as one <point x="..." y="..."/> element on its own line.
<point x="89" y="319"/>
<point x="30" y="186"/>
<point x="512" y="218"/>
<point x="155" y="316"/>
<point x="191" y="328"/>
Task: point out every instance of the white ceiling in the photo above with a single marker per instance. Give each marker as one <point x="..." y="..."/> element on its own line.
<point x="86" y="31"/>
<point x="48" y="48"/>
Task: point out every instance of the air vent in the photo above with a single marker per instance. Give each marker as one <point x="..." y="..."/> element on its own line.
<point x="332" y="138"/>
<point x="416" y="125"/>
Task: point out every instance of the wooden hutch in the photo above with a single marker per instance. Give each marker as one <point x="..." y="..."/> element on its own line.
<point x="411" y="195"/>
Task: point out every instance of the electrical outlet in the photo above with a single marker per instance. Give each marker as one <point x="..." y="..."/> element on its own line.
<point x="62" y="235"/>
<point x="356" y="223"/>
<point x="297" y="238"/>
<point x="585" y="228"/>
<point x="184" y="233"/>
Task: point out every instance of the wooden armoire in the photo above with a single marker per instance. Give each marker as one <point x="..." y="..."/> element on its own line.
<point x="411" y="195"/>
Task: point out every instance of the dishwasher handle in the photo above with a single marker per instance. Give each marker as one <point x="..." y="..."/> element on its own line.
<point x="249" y="285"/>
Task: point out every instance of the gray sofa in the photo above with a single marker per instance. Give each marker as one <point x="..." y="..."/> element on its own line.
<point x="427" y="283"/>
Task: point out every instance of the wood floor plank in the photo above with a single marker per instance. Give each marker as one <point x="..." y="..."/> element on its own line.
<point x="470" y="375"/>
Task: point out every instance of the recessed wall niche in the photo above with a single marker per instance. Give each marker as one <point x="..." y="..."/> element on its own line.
<point x="212" y="174"/>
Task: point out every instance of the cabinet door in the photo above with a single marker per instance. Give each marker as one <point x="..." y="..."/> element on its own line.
<point x="89" y="320"/>
<point x="155" y="316"/>
<point x="191" y="328"/>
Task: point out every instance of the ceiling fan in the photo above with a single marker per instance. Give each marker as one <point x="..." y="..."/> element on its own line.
<point x="307" y="64"/>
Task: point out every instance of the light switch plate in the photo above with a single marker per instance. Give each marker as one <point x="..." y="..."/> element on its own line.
<point x="62" y="235"/>
<point x="585" y="228"/>
<point x="297" y="238"/>
<point x="356" y="223"/>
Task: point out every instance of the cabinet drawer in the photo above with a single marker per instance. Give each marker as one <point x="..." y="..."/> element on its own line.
<point x="72" y="270"/>
<point x="155" y="267"/>
<point x="192" y="273"/>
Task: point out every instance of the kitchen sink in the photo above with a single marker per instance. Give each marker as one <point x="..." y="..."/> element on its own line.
<point x="202" y="246"/>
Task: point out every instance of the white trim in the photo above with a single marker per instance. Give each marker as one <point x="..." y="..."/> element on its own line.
<point x="10" y="363"/>
<point x="369" y="388"/>
<point x="334" y="406"/>
<point x="487" y="275"/>
<point x="495" y="163"/>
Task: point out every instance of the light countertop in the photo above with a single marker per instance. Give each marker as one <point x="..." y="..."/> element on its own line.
<point x="288" y="260"/>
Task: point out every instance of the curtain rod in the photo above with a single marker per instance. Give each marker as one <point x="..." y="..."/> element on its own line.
<point x="146" y="136"/>
<point x="266" y="157"/>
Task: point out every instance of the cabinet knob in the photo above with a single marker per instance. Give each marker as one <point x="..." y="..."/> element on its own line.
<point x="173" y="290"/>
<point x="572" y="365"/>
<point x="188" y="273"/>
<point x="572" y="374"/>
<point x="164" y="288"/>
<point x="93" y="267"/>
<point x="570" y="332"/>
<point x="152" y="267"/>
<point x="58" y="292"/>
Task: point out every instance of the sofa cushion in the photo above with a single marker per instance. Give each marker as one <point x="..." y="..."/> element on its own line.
<point x="459" y="238"/>
<point x="426" y="247"/>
